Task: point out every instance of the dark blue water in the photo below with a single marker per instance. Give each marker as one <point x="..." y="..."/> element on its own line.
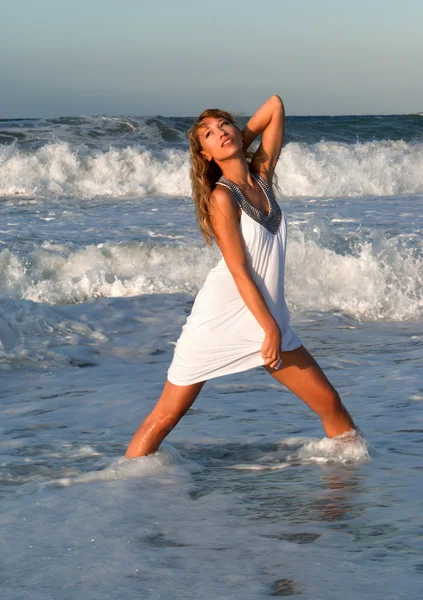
<point x="172" y="130"/>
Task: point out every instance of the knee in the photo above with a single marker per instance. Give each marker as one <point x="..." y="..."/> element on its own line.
<point x="164" y="423"/>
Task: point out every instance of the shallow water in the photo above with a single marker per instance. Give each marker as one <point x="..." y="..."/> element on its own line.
<point x="243" y="500"/>
<point x="246" y="499"/>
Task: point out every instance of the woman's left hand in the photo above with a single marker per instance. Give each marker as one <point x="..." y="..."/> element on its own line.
<point x="271" y="348"/>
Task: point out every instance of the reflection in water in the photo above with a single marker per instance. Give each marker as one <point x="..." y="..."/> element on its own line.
<point x="300" y="492"/>
<point x="338" y="498"/>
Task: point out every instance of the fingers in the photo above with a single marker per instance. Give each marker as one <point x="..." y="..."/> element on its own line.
<point x="273" y="362"/>
<point x="271" y="350"/>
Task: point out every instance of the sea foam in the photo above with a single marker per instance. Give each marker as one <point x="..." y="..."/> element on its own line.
<point x="348" y="447"/>
<point x="371" y="282"/>
<point x="325" y="168"/>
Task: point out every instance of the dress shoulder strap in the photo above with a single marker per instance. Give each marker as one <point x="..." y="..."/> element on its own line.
<point x="264" y="182"/>
<point x="223" y="183"/>
<point x="236" y="192"/>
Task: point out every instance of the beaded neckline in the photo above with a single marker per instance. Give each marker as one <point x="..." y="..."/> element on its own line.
<point x="271" y="221"/>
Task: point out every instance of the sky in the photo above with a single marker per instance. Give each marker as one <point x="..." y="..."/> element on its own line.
<point x="178" y="57"/>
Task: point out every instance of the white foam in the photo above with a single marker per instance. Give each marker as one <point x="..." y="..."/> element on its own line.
<point x="59" y="275"/>
<point x="57" y="169"/>
<point x="30" y="332"/>
<point x="70" y="451"/>
<point x="349" y="447"/>
<point x="379" y="168"/>
<point x="294" y="440"/>
<point x="374" y="283"/>
<point x="166" y="459"/>
<point x="254" y="467"/>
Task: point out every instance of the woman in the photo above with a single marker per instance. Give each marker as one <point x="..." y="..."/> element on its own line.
<point x="239" y="319"/>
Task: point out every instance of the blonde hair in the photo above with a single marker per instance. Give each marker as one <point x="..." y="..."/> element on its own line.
<point x="203" y="173"/>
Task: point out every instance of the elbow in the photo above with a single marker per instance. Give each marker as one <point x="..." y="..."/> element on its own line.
<point x="278" y="103"/>
<point x="241" y="273"/>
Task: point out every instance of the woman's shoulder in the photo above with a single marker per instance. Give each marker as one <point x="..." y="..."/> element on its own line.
<point x="223" y="201"/>
<point x="221" y="196"/>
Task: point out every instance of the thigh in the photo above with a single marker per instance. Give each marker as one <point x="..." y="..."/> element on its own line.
<point x="301" y="374"/>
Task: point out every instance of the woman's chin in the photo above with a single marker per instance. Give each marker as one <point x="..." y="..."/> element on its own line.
<point x="233" y="152"/>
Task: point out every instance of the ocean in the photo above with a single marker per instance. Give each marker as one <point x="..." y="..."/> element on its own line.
<point x="100" y="261"/>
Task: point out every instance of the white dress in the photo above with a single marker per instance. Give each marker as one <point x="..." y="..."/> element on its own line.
<point x="221" y="334"/>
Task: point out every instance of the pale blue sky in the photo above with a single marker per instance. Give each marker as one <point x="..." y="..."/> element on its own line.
<point x="176" y="57"/>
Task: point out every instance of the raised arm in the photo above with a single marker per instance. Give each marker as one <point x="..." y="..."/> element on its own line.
<point x="224" y="219"/>
<point x="269" y="120"/>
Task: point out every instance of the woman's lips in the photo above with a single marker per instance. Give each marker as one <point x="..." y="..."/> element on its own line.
<point x="227" y="142"/>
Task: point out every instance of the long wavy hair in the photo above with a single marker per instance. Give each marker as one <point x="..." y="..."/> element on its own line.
<point x="203" y="173"/>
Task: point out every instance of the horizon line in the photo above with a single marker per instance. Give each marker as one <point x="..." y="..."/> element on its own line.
<point x="241" y="114"/>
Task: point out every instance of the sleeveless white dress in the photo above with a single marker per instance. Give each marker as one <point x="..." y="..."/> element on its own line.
<point x="221" y="335"/>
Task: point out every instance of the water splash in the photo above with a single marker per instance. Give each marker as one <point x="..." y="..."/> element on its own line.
<point x="349" y="447"/>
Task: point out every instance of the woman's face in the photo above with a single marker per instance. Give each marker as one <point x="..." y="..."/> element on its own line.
<point x="219" y="138"/>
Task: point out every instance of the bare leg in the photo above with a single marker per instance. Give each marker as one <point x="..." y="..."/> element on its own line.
<point x="301" y="374"/>
<point x="173" y="403"/>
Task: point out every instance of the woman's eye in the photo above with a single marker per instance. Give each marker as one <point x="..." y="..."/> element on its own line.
<point x="209" y="132"/>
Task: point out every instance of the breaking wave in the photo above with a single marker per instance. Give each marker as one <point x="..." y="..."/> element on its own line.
<point x="61" y="169"/>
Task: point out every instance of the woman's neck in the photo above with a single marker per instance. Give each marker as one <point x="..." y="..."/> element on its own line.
<point x="238" y="172"/>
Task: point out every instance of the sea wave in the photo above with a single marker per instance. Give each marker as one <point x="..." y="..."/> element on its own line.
<point x="33" y="333"/>
<point x="372" y="281"/>
<point x="326" y="168"/>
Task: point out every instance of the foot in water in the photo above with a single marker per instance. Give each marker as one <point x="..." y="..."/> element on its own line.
<point x="349" y="446"/>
